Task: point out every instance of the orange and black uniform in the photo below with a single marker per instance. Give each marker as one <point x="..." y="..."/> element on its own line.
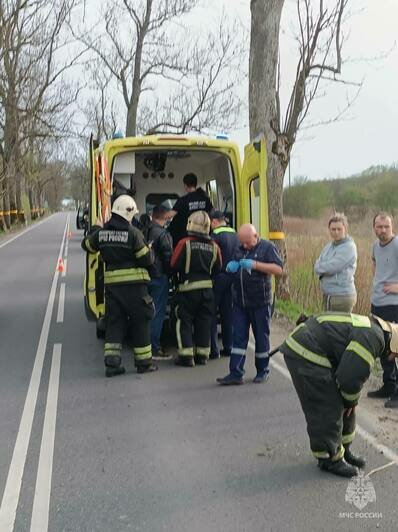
<point x="195" y="260"/>
<point x="129" y="307"/>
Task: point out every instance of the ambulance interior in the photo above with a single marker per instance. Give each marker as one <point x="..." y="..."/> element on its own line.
<point x="157" y="177"/>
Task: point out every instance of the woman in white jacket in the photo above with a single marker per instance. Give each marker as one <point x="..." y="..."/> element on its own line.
<point x="336" y="267"/>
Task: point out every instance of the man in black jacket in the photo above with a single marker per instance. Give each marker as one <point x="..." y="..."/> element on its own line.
<point x="162" y="246"/>
<point x="194" y="200"/>
<point x="329" y="357"/>
<point x="128" y="304"/>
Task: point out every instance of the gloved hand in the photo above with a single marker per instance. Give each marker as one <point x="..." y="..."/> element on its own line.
<point x="232" y="266"/>
<point x="246" y="264"/>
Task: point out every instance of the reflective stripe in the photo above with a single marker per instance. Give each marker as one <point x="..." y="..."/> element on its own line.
<point x="126" y="275"/>
<point x="202" y="351"/>
<point x="112" y="346"/>
<point x="223" y="229"/>
<point x="362" y="352"/>
<point x="261" y="355"/>
<point x="354" y="319"/>
<point x="142" y="353"/>
<point x="185" y="352"/>
<point x="178" y="329"/>
<point x="89" y="246"/>
<point x="339" y="455"/>
<point x="307" y="354"/>
<point x="300" y="326"/>
<point x="350" y="396"/>
<point x="141" y="252"/>
<point x="213" y="260"/>
<point x="188" y="256"/>
<point x="320" y="454"/>
<point x="348" y="438"/>
<point x="195" y="285"/>
<point x="238" y="351"/>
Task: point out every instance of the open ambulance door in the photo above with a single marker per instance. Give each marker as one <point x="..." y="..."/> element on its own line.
<point x="254" y="193"/>
<point x="94" y="300"/>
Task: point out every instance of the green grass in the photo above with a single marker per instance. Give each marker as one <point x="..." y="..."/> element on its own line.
<point x="291" y="310"/>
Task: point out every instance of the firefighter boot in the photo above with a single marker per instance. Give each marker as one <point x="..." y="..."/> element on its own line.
<point x="186" y="361"/>
<point x="200" y="360"/>
<point x="353" y="459"/>
<point x="112" y="372"/>
<point x="149" y="368"/>
<point x="338" y="467"/>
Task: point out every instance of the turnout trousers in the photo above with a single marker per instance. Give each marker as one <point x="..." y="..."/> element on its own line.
<point x="223" y="304"/>
<point x="242" y="318"/>
<point x="194" y="313"/>
<point x="129" y="311"/>
<point x="329" y="429"/>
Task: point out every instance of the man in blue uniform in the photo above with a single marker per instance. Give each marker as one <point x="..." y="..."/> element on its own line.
<point x="228" y="242"/>
<point x="253" y="264"/>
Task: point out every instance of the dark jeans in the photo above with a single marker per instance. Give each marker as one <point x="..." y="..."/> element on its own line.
<point x="159" y="290"/>
<point x="223" y="302"/>
<point x="390" y="372"/>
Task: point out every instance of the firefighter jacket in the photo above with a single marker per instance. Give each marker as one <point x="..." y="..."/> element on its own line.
<point x="228" y="242"/>
<point x="123" y="250"/>
<point x="194" y="201"/>
<point x="347" y="344"/>
<point x="253" y="289"/>
<point x="196" y="259"/>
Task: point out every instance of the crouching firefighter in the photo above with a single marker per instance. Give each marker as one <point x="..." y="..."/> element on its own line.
<point x="195" y="259"/>
<point x="129" y="308"/>
<point x="329" y="357"/>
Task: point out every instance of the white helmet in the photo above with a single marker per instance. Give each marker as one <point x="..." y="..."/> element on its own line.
<point x="125" y="207"/>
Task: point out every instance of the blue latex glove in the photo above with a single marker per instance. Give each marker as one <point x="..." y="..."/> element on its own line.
<point x="232" y="266"/>
<point x="246" y="264"/>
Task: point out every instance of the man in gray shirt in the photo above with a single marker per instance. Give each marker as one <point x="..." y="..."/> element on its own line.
<point x="385" y="297"/>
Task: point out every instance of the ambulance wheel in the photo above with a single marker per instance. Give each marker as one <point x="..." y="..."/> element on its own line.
<point x="100" y="328"/>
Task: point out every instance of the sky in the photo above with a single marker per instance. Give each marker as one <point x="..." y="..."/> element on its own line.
<point x="368" y="135"/>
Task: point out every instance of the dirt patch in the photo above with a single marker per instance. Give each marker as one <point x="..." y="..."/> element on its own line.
<point x="383" y="421"/>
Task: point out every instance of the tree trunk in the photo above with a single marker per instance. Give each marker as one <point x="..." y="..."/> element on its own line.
<point x="263" y="113"/>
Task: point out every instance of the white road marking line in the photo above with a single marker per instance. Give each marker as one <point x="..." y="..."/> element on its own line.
<point x="12" y="488"/>
<point x="367" y="436"/>
<point x="65" y="266"/>
<point x="41" y="501"/>
<point x="25" y="231"/>
<point x="61" y="304"/>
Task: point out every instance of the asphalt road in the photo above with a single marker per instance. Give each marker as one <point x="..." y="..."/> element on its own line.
<point x="167" y="451"/>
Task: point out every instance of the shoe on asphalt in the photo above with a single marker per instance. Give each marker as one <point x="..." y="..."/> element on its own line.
<point x="214" y="356"/>
<point x="384" y="392"/>
<point x="187" y="362"/>
<point x="392" y="402"/>
<point x="339" y="468"/>
<point x="261" y="378"/>
<point x="229" y="380"/>
<point x="112" y="372"/>
<point x="353" y="459"/>
<point x="147" y="369"/>
<point x="225" y="352"/>
<point x="200" y="360"/>
<point x="160" y="355"/>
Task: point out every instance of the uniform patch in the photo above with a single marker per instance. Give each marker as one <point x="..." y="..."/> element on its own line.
<point x="113" y="237"/>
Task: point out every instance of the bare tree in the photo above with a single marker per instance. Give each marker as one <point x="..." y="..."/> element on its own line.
<point x="33" y="93"/>
<point x="320" y="42"/>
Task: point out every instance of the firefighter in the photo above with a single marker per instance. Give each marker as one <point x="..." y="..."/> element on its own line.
<point x="195" y="259"/>
<point x="129" y="307"/>
<point x="228" y="242"/>
<point x="195" y="199"/>
<point x="329" y="357"/>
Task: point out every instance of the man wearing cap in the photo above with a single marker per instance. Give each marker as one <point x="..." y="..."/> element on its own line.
<point x="162" y="246"/>
<point x="228" y="243"/>
<point x="195" y="260"/>
<point x="128" y="304"/>
<point x="329" y="357"/>
<point x="195" y="199"/>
